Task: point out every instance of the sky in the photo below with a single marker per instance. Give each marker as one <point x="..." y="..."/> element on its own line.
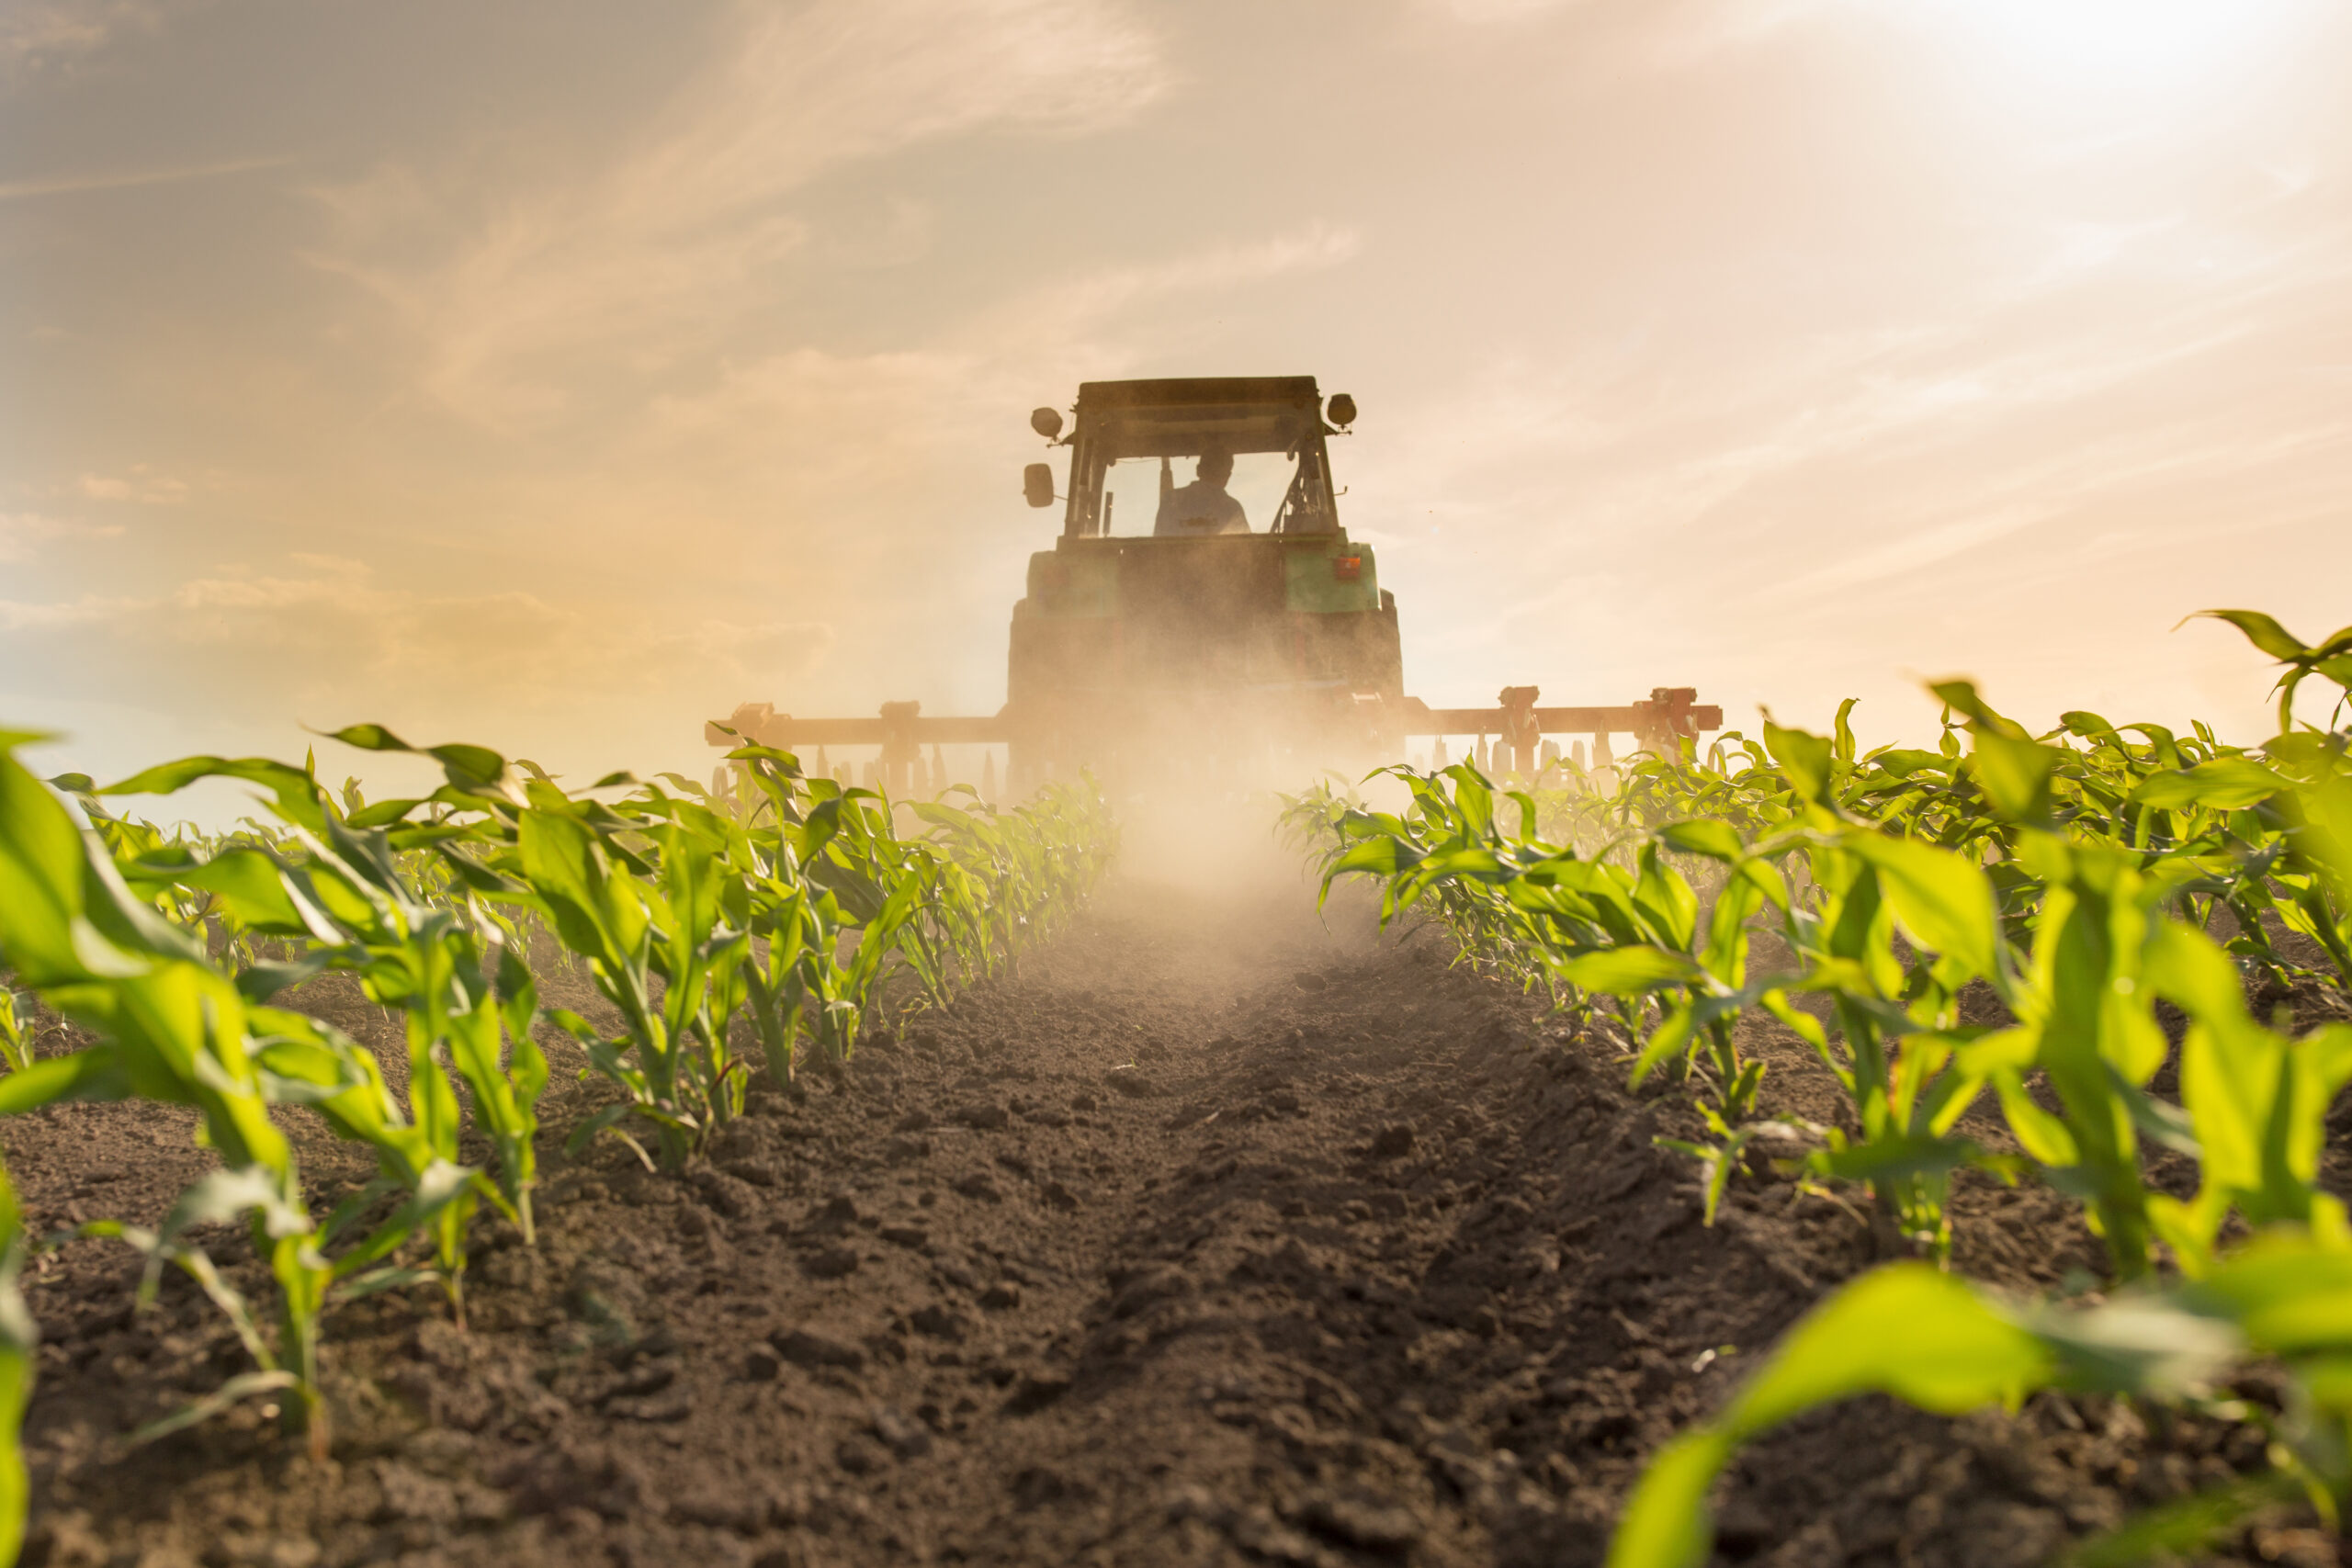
<point x="558" y="374"/>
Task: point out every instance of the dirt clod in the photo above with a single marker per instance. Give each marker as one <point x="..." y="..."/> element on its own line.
<point x="832" y="1263"/>
<point x="937" y="1321"/>
<point x="1358" y="1520"/>
<point x="803" y="1348"/>
<point x="902" y="1437"/>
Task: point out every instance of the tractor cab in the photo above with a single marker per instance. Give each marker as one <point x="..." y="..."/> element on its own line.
<point x="1201" y="585"/>
<point x="1141" y="448"/>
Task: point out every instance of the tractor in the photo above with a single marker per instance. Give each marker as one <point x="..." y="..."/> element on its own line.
<point x="1216" y="628"/>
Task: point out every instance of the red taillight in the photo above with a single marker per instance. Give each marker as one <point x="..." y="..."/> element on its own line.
<point x="1347" y="569"/>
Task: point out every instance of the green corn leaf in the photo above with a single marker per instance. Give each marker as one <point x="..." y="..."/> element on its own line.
<point x="1667" y="1523"/>
<point x="1901" y="764"/>
<point x="224" y="1194"/>
<point x="2260" y="630"/>
<point x="97" y="1074"/>
<point x="1631" y="971"/>
<point x="383" y="813"/>
<point x="2089" y="726"/>
<point x="1884" y="1157"/>
<point x="44" y="935"/>
<point x="1668" y="904"/>
<point x="1906" y="1329"/>
<point x="1945" y="902"/>
<point x="2015" y="775"/>
<point x="439" y="1185"/>
<point x="473" y="768"/>
<point x="1962" y="698"/>
<point x="253" y="891"/>
<point x="1670" y="1040"/>
<point x="2224" y="783"/>
<point x="1714" y="837"/>
<point x="2291" y="1292"/>
<point x="1842" y="732"/>
<point x="1806" y="760"/>
<point x="260" y="982"/>
<point x="2137" y="1343"/>
<point x="297" y="793"/>
<point x="2324" y="835"/>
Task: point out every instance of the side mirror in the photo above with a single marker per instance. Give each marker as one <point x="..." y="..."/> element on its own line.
<point x="1046" y="423"/>
<point x="1038" y="479"/>
<point x="1343" y="410"/>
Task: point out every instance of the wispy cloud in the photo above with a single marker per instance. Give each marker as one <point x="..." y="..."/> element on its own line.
<point x="669" y="245"/>
<point x="2075" y="417"/>
<point x="828" y="432"/>
<point x="124" y="179"/>
<point x="814" y="428"/>
<point x="38" y="37"/>
<point x="23" y="533"/>
<point x="141" y="484"/>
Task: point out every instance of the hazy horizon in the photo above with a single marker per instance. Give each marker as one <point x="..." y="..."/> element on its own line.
<point x="558" y="377"/>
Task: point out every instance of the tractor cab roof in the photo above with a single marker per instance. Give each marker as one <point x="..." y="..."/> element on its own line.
<point x="1192" y="389"/>
<point x="1129" y="432"/>
<point x="1181" y="418"/>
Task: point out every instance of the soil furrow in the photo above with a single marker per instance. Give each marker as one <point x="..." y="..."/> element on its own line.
<point x="1216" y="1236"/>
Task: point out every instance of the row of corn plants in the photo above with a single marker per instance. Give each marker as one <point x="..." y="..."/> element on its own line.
<point x="736" y="934"/>
<point x="2080" y="877"/>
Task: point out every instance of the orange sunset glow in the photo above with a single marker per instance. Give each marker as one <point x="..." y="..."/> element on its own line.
<point x="559" y="376"/>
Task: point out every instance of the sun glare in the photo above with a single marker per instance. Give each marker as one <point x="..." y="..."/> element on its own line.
<point x="2130" y="46"/>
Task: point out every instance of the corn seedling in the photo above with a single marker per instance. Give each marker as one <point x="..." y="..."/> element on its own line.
<point x="2076" y="874"/>
<point x="792" y="902"/>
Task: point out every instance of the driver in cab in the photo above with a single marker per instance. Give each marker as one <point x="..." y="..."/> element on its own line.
<point x="1203" y="507"/>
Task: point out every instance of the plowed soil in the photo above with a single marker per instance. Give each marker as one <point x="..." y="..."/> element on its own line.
<point x="1218" y="1234"/>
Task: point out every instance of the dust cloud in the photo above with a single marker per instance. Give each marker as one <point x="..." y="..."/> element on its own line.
<point x="1209" y="843"/>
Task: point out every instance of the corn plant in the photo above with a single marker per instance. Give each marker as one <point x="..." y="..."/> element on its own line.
<point x="1634" y="934"/>
<point x="1895" y="879"/>
<point x="17" y="1024"/>
<point x="170" y="1028"/>
<point x="2255" y="1103"/>
<point x="688" y="910"/>
<point x="338" y="891"/>
<point x="2075" y="874"/>
<point x="1541" y="911"/>
<point x="19" y="1339"/>
<point x="792" y="901"/>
